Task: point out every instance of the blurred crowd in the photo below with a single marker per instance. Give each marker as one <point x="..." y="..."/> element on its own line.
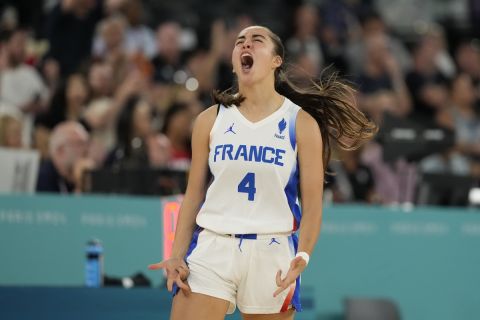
<point x="94" y="84"/>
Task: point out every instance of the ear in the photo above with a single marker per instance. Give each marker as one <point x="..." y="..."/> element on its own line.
<point x="277" y="62"/>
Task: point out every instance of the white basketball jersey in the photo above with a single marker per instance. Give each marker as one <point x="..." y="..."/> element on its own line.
<point x="255" y="174"/>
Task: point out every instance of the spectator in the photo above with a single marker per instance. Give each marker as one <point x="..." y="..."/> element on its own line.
<point x="63" y="172"/>
<point x="426" y="83"/>
<point x="10" y="132"/>
<point x="305" y="39"/>
<point x="467" y="57"/>
<point x="134" y="127"/>
<point x="381" y="85"/>
<point x="67" y="104"/>
<point x="353" y="181"/>
<point x="140" y="39"/>
<point x="70" y="28"/>
<point x="159" y="151"/>
<point x="178" y="128"/>
<point x="464" y="159"/>
<point x="22" y="90"/>
<point x="168" y="59"/>
<point x="373" y="25"/>
<point x="112" y="32"/>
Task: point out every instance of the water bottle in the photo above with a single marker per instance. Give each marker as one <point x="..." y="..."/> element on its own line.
<point x="94" y="264"/>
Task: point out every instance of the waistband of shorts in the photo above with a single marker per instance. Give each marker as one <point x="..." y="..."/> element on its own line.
<point x="250" y="236"/>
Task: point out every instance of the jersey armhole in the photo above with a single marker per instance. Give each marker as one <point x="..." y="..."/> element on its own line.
<point x="292" y="130"/>
<point x="220" y="111"/>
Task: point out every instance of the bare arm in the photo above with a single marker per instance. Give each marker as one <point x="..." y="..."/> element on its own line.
<point x="310" y="159"/>
<point x="196" y="182"/>
<point x="175" y="266"/>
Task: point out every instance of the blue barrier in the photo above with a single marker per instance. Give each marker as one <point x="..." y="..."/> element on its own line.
<point x="426" y="260"/>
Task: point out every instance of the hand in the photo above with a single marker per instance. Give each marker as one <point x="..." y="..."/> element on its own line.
<point x="391" y="65"/>
<point x="296" y="268"/>
<point x="177" y="272"/>
<point x="79" y="168"/>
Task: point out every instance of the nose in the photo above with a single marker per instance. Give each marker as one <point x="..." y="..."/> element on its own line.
<point x="247" y="44"/>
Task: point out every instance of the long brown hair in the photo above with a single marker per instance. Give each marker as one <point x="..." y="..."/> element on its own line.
<point x="330" y="101"/>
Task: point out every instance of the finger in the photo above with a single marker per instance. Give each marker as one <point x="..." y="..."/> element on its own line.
<point x="279" y="290"/>
<point x="182" y="272"/>
<point x="156" y="266"/>
<point x="182" y="285"/>
<point x="278" y="278"/>
<point x="170" y="284"/>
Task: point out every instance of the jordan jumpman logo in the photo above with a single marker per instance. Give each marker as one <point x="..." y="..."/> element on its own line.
<point x="230" y="129"/>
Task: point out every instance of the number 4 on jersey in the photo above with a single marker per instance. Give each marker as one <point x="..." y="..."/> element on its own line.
<point x="247" y="185"/>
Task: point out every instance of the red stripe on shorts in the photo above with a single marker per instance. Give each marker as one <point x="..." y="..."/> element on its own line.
<point x="288" y="299"/>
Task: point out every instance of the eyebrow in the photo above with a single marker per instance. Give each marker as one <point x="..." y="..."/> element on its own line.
<point x="253" y="36"/>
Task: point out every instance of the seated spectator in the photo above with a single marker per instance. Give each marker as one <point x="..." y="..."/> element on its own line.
<point x="177" y="127"/>
<point x="134" y="127"/>
<point x="381" y="84"/>
<point x="373" y="25"/>
<point x="70" y="26"/>
<point x="111" y="31"/>
<point x="168" y="58"/>
<point x="140" y="39"/>
<point x="63" y="172"/>
<point x="353" y="181"/>
<point x="464" y="158"/>
<point x="427" y="85"/>
<point x="395" y="182"/>
<point x="10" y="132"/>
<point x="22" y="90"/>
<point x="305" y="39"/>
<point x="467" y="57"/>
<point x="67" y="104"/>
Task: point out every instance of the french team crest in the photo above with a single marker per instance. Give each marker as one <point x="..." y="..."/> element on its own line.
<point x="282" y="125"/>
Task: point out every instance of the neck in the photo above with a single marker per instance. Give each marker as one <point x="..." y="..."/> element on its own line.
<point x="260" y="96"/>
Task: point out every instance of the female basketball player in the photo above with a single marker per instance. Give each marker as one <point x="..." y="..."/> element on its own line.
<point x="261" y="142"/>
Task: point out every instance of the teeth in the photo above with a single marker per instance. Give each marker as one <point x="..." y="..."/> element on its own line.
<point x="246" y="60"/>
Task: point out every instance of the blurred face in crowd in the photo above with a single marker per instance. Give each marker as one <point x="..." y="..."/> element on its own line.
<point x="168" y="40"/>
<point x="142" y="120"/>
<point x="68" y="145"/>
<point x="468" y="59"/>
<point x="134" y="12"/>
<point x="100" y="79"/>
<point x="112" y="31"/>
<point x="77" y="90"/>
<point x="16" y="48"/>
<point x="159" y="150"/>
<point x="82" y="7"/>
<point x="254" y="57"/>
<point x="377" y="49"/>
<point x="11" y="135"/>
<point x="180" y="124"/>
<point x="306" y="20"/>
<point x="426" y="51"/>
<point x="463" y="91"/>
<point x="373" y="26"/>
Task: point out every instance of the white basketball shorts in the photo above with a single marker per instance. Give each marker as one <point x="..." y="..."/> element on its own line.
<point x="242" y="269"/>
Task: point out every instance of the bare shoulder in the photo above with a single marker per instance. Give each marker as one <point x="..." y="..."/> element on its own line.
<point x="307" y="127"/>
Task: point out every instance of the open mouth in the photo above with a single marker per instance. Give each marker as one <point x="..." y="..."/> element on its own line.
<point x="247" y="61"/>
